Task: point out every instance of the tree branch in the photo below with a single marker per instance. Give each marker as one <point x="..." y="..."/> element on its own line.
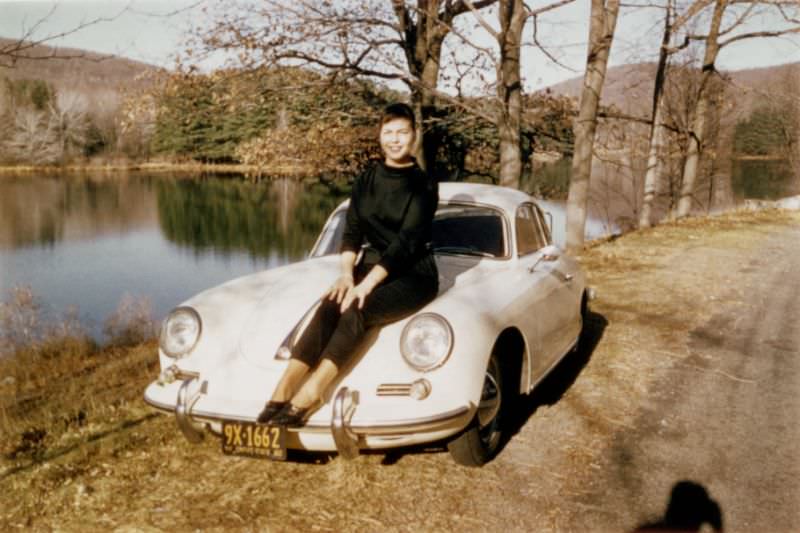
<point x="756" y="34"/>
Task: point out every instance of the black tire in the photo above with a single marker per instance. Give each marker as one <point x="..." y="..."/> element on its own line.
<point x="480" y="441"/>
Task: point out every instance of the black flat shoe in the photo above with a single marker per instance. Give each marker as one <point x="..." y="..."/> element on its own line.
<point x="292" y="416"/>
<point x="269" y="411"/>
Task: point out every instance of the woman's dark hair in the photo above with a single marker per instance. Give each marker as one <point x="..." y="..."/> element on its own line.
<point x="398" y="110"/>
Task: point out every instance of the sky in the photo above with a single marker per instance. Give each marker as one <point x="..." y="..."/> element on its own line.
<point x="153" y="32"/>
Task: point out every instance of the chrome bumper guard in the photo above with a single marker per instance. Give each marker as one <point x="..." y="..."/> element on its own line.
<point x="346" y="436"/>
<point x="183" y="409"/>
<point x="344" y="406"/>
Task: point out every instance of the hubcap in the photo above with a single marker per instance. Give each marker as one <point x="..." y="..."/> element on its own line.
<point x="489" y="407"/>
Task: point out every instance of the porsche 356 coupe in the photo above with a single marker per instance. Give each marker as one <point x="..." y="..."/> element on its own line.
<point x="510" y="306"/>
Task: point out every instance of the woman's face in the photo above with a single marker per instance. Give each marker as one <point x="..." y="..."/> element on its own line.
<point x="397" y="142"/>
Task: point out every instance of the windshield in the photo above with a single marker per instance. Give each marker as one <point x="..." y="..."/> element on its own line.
<point x="457" y="229"/>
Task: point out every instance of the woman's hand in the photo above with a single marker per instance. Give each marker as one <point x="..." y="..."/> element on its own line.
<point x="340" y="288"/>
<point x="357" y="293"/>
<point x="360" y="292"/>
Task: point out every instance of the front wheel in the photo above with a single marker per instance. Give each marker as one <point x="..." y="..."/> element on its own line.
<point x="480" y="441"/>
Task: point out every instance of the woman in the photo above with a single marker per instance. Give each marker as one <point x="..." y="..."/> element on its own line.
<point x="391" y="211"/>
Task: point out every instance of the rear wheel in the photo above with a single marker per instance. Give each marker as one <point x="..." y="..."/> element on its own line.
<point x="480" y="441"/>
<point x="584" y="315"/>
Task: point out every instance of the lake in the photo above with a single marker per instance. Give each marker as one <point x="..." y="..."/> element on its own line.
<point x="91" y="243"/>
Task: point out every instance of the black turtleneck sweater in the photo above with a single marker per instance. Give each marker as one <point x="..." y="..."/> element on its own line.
<point x="392" y="209"/>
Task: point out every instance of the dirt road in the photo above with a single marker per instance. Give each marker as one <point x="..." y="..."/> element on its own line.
<point x="724" y="413"/>
<point x="687" y="383"/>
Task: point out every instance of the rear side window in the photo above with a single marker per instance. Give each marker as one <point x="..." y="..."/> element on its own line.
<point x="548" y="239"/>
<point x="530" y="236"/>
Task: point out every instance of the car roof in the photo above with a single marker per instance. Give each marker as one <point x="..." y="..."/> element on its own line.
<point x="505" y="198"/>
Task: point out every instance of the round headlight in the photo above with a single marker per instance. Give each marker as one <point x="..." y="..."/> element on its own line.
<point x="426" y="341"/>
<point x="180" y="332"/>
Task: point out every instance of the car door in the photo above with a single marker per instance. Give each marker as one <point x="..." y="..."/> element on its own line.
<point x="542" y="287"/>
<point x="567" y="308"/>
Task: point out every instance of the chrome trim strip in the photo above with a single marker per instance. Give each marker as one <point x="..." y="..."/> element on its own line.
<point x="402" y="427"/>
<point x="393" y="389"/>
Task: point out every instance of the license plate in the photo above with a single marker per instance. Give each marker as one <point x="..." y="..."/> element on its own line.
<point x="254" y="440"/>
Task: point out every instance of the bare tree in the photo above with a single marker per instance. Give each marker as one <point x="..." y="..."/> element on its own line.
<point x="793" y="80"/>
<point x="715" y="40"/>
<point x="32" y="137"/>
<point x="601" y="35"/>
<point x="512" y="17"/>
<point x="657" y="129"/>
<point x="387" y="40"/>
<point x="697" y="132"/>
<point x="69" y="122"/>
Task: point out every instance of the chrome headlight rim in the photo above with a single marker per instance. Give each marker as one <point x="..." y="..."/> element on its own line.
<point x="446" y="328"/>
<point x="181" y="310"/>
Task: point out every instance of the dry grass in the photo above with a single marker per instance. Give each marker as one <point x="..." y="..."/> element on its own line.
<point x="81" y="450"/>
<point x="56" y="383"/>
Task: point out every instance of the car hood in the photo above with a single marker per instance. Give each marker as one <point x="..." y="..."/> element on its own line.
<point x="282" y="306"/>
<point x="267" y="306"/>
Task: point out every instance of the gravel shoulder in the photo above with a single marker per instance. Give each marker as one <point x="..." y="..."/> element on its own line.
<point x="688" y="372"/>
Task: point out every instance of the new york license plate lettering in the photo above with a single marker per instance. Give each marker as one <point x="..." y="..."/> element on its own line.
<point x="254" y="440"/>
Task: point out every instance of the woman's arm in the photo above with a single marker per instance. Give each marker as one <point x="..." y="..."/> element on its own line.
<point x="353" y="237"/>
<point x="344" y="283"/>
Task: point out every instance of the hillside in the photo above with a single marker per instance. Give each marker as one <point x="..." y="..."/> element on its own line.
<point x="79" y="70"/>
<point x="630" y="87"/>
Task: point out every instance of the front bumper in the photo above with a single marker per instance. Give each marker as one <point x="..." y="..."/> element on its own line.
<point x="348" y="436"/>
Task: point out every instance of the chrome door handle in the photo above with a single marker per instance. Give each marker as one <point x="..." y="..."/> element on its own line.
<point x="566" y="278"/>
<point x="544" y="258"/>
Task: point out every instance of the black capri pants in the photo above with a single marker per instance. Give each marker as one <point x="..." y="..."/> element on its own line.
<point x="335" y="336"/>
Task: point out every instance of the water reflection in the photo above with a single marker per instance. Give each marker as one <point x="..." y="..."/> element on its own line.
<point x="90" y="242"/>
<point x="44" y="211"/>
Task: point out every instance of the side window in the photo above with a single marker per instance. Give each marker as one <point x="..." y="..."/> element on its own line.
<point x="548" y="239"/>
<point x="529" y="235"/>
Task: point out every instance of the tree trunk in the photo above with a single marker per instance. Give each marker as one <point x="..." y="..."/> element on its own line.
<point x="601" y="35"/>
<point x="652" y="176"/>
<point x="794" y="145"/>
<point x="697" y="130"/>
<point x="422" y="44"/>
<point x="509" y="91"/>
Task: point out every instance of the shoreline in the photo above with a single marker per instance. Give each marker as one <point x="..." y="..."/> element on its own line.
<point x="241" y="168"/>
<point x="217" y="168"/>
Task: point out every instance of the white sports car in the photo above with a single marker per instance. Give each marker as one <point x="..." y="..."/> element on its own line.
<point x="510" y="306"/>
